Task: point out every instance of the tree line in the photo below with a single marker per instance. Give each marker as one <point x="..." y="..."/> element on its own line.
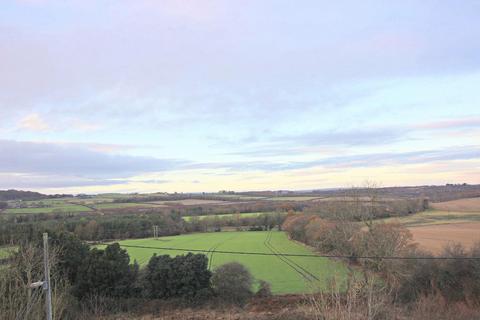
<point x="107" y="227"/>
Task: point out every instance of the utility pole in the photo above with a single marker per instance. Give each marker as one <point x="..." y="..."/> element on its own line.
<point x="46" y="284"/>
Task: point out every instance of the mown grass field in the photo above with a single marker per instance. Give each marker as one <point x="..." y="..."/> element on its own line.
<point x="434" y="217"/>
<point x="118" y="205"/>
<point x="293" y="198"/>
<point x="285" y="274"/>
<point x="192" y="202"/>
<point x="61" y="207"/>
<point x="228" y="215"/>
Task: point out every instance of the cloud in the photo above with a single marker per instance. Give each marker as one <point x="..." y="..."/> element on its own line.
<point x="351" y="161"/>
<point x="49" y="165"/>
<point x="349" y="138"/>
<point x="471" y="122"/>
<point x="318" y="142"/>
<point x="34" y="122"/>
<point x="85" y="126"/>
<point x="75" y="160"/>
<point x="35" y="181"/>
<point x="414" y="157"/>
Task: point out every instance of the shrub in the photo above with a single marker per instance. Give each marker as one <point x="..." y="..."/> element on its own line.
<point x="455" y="280"/>
<point x="264" y="289"/>
<point x="232" y="282"/>
<point x="106" y="273"/>
<point x="295" y="225"/>
<point x="185" y="276"/>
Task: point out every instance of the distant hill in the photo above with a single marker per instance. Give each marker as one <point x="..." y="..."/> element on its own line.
<point x="6" y="195"/>
<point x="441" y="193"/>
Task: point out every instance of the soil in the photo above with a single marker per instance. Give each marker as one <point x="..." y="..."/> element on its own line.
<point x="434" y="237"/>
<point x="464" y="205"/>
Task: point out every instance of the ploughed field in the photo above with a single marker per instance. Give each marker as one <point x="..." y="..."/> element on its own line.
<point x="449" y="222"/>
<point x="435" y="237"/>
<point x="464" y="205"/>
<point x="286" y="274"/>
<point x="232" y="215"/>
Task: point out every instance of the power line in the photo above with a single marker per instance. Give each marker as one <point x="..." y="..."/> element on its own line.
<point x="299" y="255"/>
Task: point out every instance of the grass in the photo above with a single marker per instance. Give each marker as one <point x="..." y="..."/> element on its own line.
<point x="282" y="276"/>
<point x="239" y="196"/>
<point x="119" y="205"/>
<point x="192" y="202"/>
<point x="91" y="201"/>
<point x="5" y="252"/>
<point x="49" y="202"/>
<point x="228" y="215"/>
<point x="432" y="217"/>
<point x="299" y="198"/>
<point x="62" y="207"/>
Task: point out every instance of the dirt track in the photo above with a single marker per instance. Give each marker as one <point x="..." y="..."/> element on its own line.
<point x="435" y="237"/>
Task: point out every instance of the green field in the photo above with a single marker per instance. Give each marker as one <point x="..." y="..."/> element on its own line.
<point x="61" y="207"/>
<point x="285" y="274"/>
<point x="228" y="215"/>
<point x="293" y="198"/>
<point x="5" y="252"/>
<point x="119" y="205"/>
<point x="431" y="217"/>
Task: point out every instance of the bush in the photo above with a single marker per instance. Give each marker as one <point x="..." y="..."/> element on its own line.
<point x="455" y="280"/>
<point x="182" y="276"/>
<point x="264" y="289"/>
<point x="232" y="282"/>
<point x="106" y="273"/>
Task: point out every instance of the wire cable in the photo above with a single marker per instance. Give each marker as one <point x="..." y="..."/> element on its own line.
<point x="299" y="255"/>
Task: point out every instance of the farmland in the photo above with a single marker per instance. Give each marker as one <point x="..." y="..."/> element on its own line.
<point x="285" y="274"/>
<point x="463" y="205"/>
<point x="228" y="215"/>
<point x="193" y="202"/>
<point x="456" y="221"/>
<point x="435" y="237"/>
<point x="58" y="207"/>
<point x="436" y="217"/>
<point x="115" y="205"/>
<point x="293" y="198"/>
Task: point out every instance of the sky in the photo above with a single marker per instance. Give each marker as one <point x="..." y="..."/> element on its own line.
<point x="201" y="95"/>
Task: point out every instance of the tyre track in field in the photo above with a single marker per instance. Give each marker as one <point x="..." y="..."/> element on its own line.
<point x="211" y="251"/>
<point x="307" y="275"/>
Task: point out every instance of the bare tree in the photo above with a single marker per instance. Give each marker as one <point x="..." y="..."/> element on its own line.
<point x="17" y="299"/>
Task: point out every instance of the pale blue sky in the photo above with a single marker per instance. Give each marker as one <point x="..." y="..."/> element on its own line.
<point x="150" y="95"/>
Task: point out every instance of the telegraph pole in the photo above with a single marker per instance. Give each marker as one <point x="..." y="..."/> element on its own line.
<point x="46" y="283"/>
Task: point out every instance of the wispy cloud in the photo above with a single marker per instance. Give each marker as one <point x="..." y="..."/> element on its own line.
<point x="122" y="89"/>
<point x="34" y="122"/>
<point x="460" y="123"/>
<point x="75" y="160"/>
<point x="360" y="137"/>
<point x="352" y="161"/>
